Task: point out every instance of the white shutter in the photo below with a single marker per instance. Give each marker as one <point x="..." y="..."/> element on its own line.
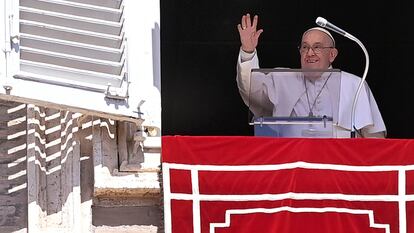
<point x="73" y="55"/>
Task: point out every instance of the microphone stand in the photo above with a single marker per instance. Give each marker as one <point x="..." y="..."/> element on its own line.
<point x="361" y="83"/>
<point x="324" y="23"/>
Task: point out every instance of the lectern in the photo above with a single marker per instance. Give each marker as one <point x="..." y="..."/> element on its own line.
<point x="287" y="103"/>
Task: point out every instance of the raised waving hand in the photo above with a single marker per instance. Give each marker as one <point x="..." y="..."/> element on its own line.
<point x="249" y="35"/>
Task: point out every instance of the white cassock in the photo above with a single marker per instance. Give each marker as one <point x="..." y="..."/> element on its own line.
<point x="271" y="95"/>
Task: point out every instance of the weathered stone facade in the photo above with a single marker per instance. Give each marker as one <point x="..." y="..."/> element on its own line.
<point x="67" y="172"/>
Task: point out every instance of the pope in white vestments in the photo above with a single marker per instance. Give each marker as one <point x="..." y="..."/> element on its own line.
<point x="270" y="95"/>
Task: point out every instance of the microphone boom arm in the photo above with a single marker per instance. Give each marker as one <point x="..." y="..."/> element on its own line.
<point x="324" y="23"/>
<point x="361" y="83"/>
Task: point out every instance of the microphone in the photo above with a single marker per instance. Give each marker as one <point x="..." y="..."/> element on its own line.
<point x="324" y="23"/>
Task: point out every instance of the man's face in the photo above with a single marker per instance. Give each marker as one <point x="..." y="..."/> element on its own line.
<point x="316" y="50"/>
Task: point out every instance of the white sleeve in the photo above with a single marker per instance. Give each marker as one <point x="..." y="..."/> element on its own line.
<point x="258" y="102"/>
<point x="378" y="127"/>
<point x="244" y="56"/>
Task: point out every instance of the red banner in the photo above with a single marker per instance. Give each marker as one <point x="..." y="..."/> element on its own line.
<point x="252" y="184"/>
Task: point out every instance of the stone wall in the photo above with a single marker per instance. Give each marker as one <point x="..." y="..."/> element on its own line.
<point x="13" y="175"/>
<point x="60" y="172"/>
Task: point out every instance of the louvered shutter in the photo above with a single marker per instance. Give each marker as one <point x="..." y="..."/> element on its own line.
<point x="73" y="54"/>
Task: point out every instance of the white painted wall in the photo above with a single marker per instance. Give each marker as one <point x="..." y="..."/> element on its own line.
<point x="142" y="30"/>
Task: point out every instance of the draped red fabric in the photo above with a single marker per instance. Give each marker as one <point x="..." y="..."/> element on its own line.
<point x="257" y="184"/>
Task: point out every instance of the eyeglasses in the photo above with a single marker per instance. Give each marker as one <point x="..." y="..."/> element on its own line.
<point x="316" y="48"/>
